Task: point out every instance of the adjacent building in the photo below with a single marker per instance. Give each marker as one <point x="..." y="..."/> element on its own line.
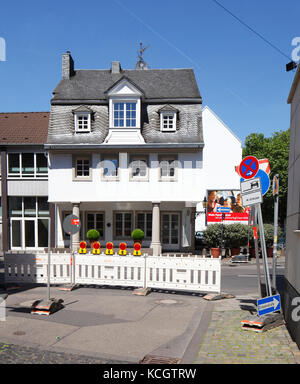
<point x="291" y="302"/>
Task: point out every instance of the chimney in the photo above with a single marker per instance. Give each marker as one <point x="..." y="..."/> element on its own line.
<point x="115" y="67"/>
<point x="67" y="65"/>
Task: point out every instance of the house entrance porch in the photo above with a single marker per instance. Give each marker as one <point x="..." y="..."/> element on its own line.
<point x="168" y="226"/>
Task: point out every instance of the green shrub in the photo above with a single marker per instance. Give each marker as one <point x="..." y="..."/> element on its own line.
<point x="269" y="234"/>
<point x="212" y="235"/>
<point x="235" y="235"/>
<point x="93" y="235"/>
<point x="137" y="234"/>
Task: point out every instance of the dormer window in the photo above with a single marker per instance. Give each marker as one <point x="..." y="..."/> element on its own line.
<point x="124" y="114"/>
<point x="168" y="119"/>
<point x="82" y="119"/>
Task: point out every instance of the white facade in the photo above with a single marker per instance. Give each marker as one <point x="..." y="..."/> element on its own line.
<point x="221" y="153"/>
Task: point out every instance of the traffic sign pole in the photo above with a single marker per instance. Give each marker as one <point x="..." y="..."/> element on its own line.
<point x="275" y="193"/>
<point x="264" y="251"/>
<point x="254" y="212"/>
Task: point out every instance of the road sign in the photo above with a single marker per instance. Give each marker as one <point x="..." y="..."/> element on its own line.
<point x="251" y="192"/>
<point x="268" y="304"/>
<point x="71" y="224"/>
<point x="264" y="180"/>
<point x="249" y="167"/>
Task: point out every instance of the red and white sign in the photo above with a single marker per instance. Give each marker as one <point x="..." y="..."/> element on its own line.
<point x="214" y="217"/>
<point x="249" y="167"/>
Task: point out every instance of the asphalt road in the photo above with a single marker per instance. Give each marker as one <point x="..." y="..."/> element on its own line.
<point x="239" y="279"/>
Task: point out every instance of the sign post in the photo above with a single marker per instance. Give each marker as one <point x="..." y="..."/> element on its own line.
<point x="71" y="226"/>
<point x="254" y="212"/>
<point x="275" y="194"/>
<point x="50" y="305"/>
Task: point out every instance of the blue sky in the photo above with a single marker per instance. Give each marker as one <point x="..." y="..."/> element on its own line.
<point x="239" y="76"/>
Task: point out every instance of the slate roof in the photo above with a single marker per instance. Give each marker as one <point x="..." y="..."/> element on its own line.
<point x="24" y="127"/>
<point x="156" y="84"/>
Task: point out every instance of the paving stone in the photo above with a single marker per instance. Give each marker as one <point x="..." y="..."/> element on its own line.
<point x="226" y="342"/>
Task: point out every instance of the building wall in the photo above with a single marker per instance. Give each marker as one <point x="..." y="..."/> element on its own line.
<point x="221" y="153"/>
<point x="292" y="267"/>
<point x="188" y="187"/>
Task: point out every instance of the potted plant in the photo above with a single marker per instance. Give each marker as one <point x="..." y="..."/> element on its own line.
<point x="212" y="237"/>
<point x="236" y="236"/>
<point x="137" y="235"/>
<point x="93" y="236"/>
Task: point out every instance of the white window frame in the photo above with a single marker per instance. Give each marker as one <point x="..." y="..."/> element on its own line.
<point x="145" y="213"/>
<point x="168" y="158"/>
<point x="125" y="102"/>
<point x="165" y="114"/>
<point x="133" y="158"/>
<point x="22" y="219"/>
<point x="123" y="213"/>
<point x="82" y="159"/>
<point x="78" y="115"/>
<point x="20" y="175"/>
<point x="95" y="213"/>
<point x="110" y="157"/>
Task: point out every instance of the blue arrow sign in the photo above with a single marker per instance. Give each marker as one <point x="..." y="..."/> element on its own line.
<point x="268" y="304"/>
<point x="223" y="209"/>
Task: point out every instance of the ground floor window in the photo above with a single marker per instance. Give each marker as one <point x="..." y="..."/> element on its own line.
<point x="170" y="228"/>
<point x="29" y="221"/>
<point x="144" y="222"/>
<point x="123" y="224"/>
<point x="95" y="221"/>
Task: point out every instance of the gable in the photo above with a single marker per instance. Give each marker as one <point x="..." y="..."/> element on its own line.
<point x="124" y="87"/>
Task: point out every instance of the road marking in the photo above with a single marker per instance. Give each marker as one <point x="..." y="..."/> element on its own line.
<point x="247" y="276"/>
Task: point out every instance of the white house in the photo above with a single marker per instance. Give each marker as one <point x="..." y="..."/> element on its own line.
<point x="221" y="153"/>
<point x="126" y="151"/>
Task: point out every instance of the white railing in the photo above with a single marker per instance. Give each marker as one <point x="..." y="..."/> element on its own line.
<point x="190" y="273"/>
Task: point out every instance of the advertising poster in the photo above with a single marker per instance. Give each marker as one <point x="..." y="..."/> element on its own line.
<point x="227" y="202"/>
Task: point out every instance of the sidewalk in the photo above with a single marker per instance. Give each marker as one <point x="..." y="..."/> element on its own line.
<point x="225" y="342"/>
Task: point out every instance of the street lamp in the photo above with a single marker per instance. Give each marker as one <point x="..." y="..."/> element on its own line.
<point x="204" y="204"/>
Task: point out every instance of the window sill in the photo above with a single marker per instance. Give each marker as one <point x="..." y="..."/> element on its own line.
<point x="168" y="179"/>
<point x="112" y="178"/>
<point x="83" y="179"/>
<point x="139" y="179"/>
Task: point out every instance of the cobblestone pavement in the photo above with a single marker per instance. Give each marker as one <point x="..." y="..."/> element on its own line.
<point x="225" y="342"/>
<point x="16" y="354"/>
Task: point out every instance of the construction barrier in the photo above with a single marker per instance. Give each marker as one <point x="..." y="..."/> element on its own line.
<point x="190" y="273"/>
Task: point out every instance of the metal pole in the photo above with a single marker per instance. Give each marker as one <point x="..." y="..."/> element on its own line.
<point x="275" y="234"/>
<point x="49" y="265"/>
<point x="264" y="250"/>
<point x="254" y="213"/>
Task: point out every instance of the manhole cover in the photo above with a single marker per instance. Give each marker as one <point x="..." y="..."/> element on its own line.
<point x="19" y="333"/>
<point x="168" y="301"/>
<point x="151" y="359"/>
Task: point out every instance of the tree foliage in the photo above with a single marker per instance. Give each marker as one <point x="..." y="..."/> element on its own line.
<point x="276" y="150"/>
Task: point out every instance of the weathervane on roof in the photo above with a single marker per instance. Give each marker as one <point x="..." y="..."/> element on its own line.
<point x="141" y="64"/>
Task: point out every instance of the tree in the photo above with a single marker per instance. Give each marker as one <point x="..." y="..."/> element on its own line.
<point x="276" y="150"/>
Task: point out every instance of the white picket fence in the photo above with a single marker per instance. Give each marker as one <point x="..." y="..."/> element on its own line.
<point x="177" y="272"/>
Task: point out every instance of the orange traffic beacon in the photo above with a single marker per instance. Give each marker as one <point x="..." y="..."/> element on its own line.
<point x="96" y="248"/>
<point x="82" y="247"/>
<point x="123" y="249"/>
<point x="109" y="248"/>
<point x="137" y="249"/>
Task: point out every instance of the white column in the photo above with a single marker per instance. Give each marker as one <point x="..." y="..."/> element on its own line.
<point x="76" y="237"/>
<point x="156" y="244"/>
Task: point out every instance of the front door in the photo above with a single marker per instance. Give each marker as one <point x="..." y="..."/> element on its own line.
<point x="170" y="231"/>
